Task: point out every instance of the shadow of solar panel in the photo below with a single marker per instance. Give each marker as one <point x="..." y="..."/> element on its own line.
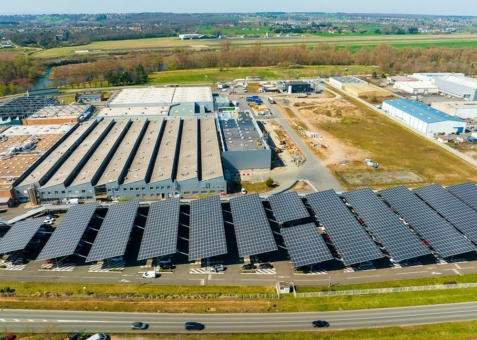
<point x="451" y="208"/>
<point x="305" y="245"/>
<point x="352" y="241"/>
<point x="399" y="240"/>
<point x="65" y="238"/>
<point x="206" y="230"/>
<point x="288" y="207"/>
<point x="20" y="235"/>
<point x="466" y="192"/>
<point x="160" y="232"/>
<point x="252" y="230"/>
<point x="442" y="236"/>
<point x="114" y="233"/>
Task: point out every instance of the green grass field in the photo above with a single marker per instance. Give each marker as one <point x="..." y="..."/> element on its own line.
<point x="457" y="40"/>
<point x="210" y="75"/>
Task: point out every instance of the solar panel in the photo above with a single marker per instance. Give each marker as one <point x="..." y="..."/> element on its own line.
<point x="252" y="229"/>
<point x="466" y="192"/>
<point x="19" y="235"/>
<point x="288" y="207"/>
<point x="160" y="232"/>
<point x="442" y="236"/>
<point x="206" y="231"/>
<point x="352" y="241"/>
<point x="305" y="245"/>
<point x="65" y="238"/>
<point x="113" y="235"/>
<point x="451" y="208"/>
<point x="398" y="239"/>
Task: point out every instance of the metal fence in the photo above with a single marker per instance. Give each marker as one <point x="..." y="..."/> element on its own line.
<point x="141" y="297"/>
<point x="385" y="290"/>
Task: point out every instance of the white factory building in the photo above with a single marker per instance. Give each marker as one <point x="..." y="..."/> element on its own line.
<point x="341" y="82"/>
<point x="458" y="86"/>
<point x="423" y="118"/>
<point x="464" y="110"/>
<point x="431" y="77"/>
<point x="416" y="87"/>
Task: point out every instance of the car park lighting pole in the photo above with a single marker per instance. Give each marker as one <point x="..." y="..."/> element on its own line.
<point x="329" y="281"/>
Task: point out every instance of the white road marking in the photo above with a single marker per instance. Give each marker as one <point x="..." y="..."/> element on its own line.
<point x="16" y="320"/>
<point x="202" y="282"/>
<point x="457" y="272"/>
<point x="424" y="271"/>
<point x="455" y="264"/>
<point x="2" y="320"/>
<point x="310" y="280"/>
<point x="467" y="268"/>
<point x="30" y="320"/>
<point x="257" y="280"/>
<point x="361" y="277"/>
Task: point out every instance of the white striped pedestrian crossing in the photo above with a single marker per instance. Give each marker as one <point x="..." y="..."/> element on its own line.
<point x="13" y="265"/>
<point x="358" y="269"/>
<point x="58" y="267"/>
<point x="266" y="271"/>
<point x="104" y="267"/>
<point x="205" y="270"/>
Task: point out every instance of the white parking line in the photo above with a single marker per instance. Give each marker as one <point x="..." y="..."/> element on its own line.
<point x="361" y="277"/>
<point x="30" y="320"/>
<point x="424" y="271"/>
<point x="16" y="320"/>
<point x="467" y="268"/>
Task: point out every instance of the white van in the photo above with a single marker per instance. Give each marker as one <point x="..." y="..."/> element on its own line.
<point x="99" y="336"/>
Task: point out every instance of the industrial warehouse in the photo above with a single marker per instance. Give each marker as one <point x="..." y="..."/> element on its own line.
<point x="152" y="156"/>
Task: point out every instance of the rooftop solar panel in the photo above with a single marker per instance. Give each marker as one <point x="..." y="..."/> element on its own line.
<point x="451" y="208"/>
<point x="160" y="232"/>
<point x="305" y="245"/>
<point x="352" y="241"/>
<point x="288" y="207"/>
<point x="206" y="231"/>
<point x="398" y="239"/>
<point x="442" y="236"/>
<point x="65" y="238"/>
<point x="113" y="235"/>
<point x="466" y="192"/>
<point x="19" y="235"/>
<point x="252" y="229"/>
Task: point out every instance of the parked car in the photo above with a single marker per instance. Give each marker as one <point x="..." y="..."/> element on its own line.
<point x="139" y="325"/>
<point x="249" y="266"/>
<point x="320" y="323"/>
<point x="266" y="266"/>
<point x="165" y="260"/>
<point x="117" y="259"/>
<point x="150" y="274"/>
<point x="194" y="326"/>
<point x="218" y="268"/>
<point x="243" y="191"/>
<point x="165" y="265"/>
<point x="366" y="264"/>
<point x="8" y="337"/>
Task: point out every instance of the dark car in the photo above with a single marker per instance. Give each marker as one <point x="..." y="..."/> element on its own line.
<point x="194" y="326"/>
<point x="139" y="325"/>
<point x="165" y="265"/>
<point x="8" y="337"/>
<point x="266" y="266"/>
<point x="249" y="266"/>
<point x="320" y="323"/>
<point x="265" y="259"/>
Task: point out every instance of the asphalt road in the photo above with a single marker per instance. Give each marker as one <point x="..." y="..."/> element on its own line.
<point x="16" y="320"/>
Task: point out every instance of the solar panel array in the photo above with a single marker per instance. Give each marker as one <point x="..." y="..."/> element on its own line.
<point x="466" y="192"/>
<point x="160" y="232"/>
<point x="288" y="207"/>
<point x="206" y="230"/>
<point x="65" y="238"/>
<point x="113" y="235"/>
<point x="398" y="239"/>
<point x="20" y="235"/>
<point x="352" y="241"/>
<point x="451" y="208"/>
<point x="442" y="236"/>
<point x="252" y="229"/>
<point x="305" y="245"/>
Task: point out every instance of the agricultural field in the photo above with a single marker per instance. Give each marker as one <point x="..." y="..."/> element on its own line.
<point x="457" y="40"/>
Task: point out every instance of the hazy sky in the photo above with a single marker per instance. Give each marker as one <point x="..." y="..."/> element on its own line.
<point x="455" y="7"/>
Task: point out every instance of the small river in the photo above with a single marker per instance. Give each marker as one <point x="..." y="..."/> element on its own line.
<point x="43" y="82"/>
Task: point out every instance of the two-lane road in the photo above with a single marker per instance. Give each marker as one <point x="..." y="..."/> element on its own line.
<point x="17" y="320"/>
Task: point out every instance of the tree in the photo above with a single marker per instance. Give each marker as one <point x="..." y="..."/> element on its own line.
<point x="412" y="30"/>
<point x="374" y="75"/>
<point x="270" y="182"/>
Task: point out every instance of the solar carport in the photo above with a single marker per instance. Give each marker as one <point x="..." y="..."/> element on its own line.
<point x="18" y="237"/>
<point x="67" y="235"/>
<point x="348" y="236"/>
<point x="113" y="236"/>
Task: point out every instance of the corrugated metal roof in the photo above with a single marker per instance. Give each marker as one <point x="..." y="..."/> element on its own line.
<point x="422" y="111"/>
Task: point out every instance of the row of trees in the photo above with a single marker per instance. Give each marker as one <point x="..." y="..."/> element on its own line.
<point x="134" y="67"/>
